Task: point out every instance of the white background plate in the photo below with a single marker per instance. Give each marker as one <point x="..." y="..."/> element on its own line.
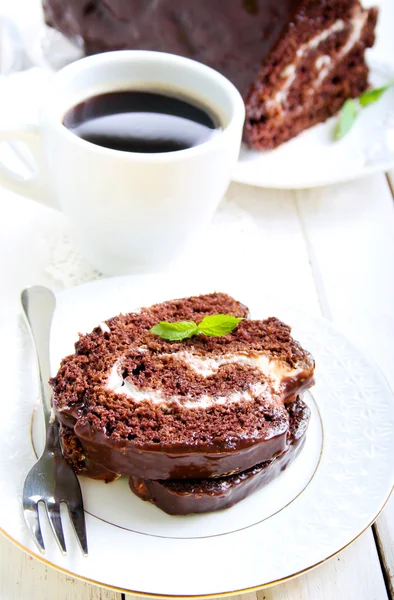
<point x="257" y="542"/>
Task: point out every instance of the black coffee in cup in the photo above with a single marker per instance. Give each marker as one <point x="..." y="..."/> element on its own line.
<point x="141" y="121"/>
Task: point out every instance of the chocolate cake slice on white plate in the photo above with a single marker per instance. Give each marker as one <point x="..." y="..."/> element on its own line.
<point x="208" y="405"/>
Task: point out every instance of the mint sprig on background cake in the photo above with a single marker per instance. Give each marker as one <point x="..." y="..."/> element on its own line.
<point x="351" y="109"/>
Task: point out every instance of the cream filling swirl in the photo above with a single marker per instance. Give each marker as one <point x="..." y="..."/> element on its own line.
<point x="273" y="373"/>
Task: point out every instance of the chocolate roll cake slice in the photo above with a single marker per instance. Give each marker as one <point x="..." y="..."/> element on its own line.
<point x="186" y="496"/>
<point x="197" y="408"/>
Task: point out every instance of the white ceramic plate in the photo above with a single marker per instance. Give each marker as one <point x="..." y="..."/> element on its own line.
<point x="322" y="502"/>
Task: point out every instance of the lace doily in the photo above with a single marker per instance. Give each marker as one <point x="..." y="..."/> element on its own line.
<point x="66" y="267"/>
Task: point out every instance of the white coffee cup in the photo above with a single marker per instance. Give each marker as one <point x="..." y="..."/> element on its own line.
<point x="130" y="212"/>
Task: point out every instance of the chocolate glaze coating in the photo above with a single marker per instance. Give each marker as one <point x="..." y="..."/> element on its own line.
<point x="202" y="500"/>
<point x="200" y="496"/>
<point x="125" y="459"/>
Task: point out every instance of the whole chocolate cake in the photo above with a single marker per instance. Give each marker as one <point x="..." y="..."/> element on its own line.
<point x="208" y="406"/>
<point x="294" y="61"/>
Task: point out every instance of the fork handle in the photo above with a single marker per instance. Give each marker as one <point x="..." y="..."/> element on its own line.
<point x="38" y="304"/>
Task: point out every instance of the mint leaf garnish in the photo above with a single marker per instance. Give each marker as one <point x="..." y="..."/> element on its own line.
<point x="350" y="109"/>
<point x="212" y="325"/>
<point x="175" y="331"/>
<point x="218" y="324"/>
<point x="373" y="95"/>
<point x="347" y="117"/>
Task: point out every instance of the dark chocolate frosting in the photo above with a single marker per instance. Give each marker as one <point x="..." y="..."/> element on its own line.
<point x="231" y="36"/>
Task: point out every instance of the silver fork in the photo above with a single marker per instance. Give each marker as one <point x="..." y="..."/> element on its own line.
<point x="51" y="480"/>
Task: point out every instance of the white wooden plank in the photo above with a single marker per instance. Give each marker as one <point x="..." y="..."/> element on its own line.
<point x="271" y="242"/>
<point x="384" y="531"/>
<point x="351" y="231"/>
<point x="24" y="243"/>
<point x="390" y="177"/>
<point x="354" y="573"/>
<point x="384" y="527"/>
<point x="343" y="577"/>
<point x="25" y="578"/>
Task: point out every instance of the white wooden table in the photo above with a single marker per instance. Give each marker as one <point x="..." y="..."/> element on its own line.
<point x="338" y="242"/>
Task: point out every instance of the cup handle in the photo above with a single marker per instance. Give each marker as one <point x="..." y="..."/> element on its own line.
<point x="35" y="186"/>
